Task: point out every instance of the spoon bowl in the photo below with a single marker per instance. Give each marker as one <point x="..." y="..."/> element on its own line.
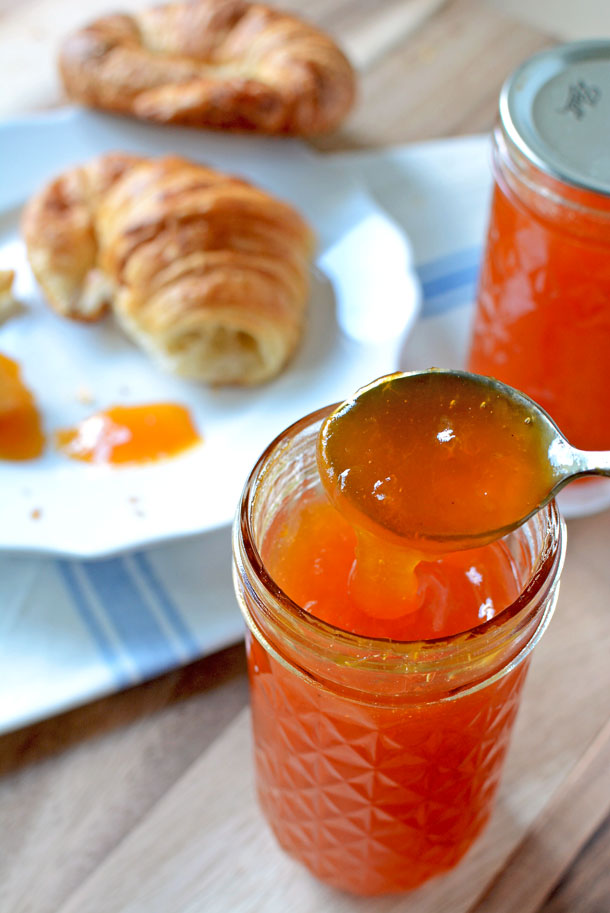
<point x="445" y="460"/>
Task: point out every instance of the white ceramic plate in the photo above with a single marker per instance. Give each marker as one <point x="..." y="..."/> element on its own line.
<point x="364" y="300"/>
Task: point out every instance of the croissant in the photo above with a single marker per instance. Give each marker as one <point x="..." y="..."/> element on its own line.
<point x="205" y="272"/>
<point x="59" y="228"/>
<point x="211" y="63"/>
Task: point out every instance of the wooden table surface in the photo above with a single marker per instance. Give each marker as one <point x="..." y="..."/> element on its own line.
<point x="73" y="787"/>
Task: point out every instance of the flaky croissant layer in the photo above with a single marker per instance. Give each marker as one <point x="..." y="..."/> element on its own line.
<point x="226" y="64"/>
<point x="204" y="271"/>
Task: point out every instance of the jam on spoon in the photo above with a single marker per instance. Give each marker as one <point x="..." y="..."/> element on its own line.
<point x="445" y="460"/>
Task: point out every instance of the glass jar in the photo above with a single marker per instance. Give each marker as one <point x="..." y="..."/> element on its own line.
<point x="542" y="321"/>
<point x="377" y="760"/>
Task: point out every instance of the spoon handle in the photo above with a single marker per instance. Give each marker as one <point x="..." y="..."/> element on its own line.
<point x="596" y="462"/>
<point x="569" y="462"/>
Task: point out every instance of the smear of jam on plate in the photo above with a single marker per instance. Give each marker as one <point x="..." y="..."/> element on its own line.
<point x="21" y="435"/>
<point x="130" y="434"/>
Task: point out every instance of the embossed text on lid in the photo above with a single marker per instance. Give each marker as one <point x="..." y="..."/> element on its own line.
<point x="555" y="108"/>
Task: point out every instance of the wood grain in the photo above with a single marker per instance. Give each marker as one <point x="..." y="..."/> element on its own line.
<point x="580" y="806"/>
<point x="445" y="81"/>
<point x="74" y="786"/>
<point x="586" y="885"/>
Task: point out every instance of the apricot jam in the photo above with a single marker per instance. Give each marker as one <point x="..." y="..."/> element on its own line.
<point x="435" y="457"/>
<point x="542" y="320"/>
<point x="380" y="723"/>
<point x="130" y="434"/>
<point x="313" y="555"/>
<point x="21" y="435"/>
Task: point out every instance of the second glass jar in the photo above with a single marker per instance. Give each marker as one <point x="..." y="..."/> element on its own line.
<point x="542" y="321"/>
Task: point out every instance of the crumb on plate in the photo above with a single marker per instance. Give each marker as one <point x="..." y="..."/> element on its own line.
<point x="85" y="396"/>
<point x="9" y="306"/>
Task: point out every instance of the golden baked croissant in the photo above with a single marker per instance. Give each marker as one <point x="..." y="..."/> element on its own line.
<point x="59" y="228"/>
<point x="204" y="271"/>
<point x="211" y="63"/>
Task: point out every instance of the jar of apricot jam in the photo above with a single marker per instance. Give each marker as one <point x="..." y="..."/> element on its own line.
<point x="542" y="321"/>
<point x="379" y="742"/>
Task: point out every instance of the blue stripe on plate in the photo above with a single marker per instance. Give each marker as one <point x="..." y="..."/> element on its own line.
<point x="108" y="651"/>
<point x="172" y="614"/>
<point x="141" y="635"/>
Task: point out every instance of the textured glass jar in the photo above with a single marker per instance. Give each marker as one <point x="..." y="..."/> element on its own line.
<point x="377" y="760"/>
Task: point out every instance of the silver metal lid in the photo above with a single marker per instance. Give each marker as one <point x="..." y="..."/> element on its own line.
<point x="556" y="110"/>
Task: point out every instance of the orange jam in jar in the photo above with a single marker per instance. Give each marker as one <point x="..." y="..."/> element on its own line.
<point x="542" y="321"/>
<point x="381" y="720"/>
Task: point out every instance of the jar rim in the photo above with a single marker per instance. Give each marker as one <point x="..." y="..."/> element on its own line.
<point x="509" y="160"/>
<point x="243" y="526"/>
<point x="532" y="106"/>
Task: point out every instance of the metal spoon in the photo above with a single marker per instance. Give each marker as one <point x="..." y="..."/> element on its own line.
<point x="446" y="459"/>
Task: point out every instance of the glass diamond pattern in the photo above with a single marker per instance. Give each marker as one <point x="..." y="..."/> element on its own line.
<point x="371" y="797"/>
